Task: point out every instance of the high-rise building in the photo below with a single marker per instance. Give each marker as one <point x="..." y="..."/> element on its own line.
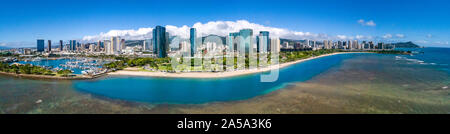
<point x="92" y="47"/>
<point x="193" y="39"/>
<point x="72" y="45"/>
<point x="364" y="45"/>
<point x="246" y="39"/>
<point x="114" y="45"/>
<point x="61" y="45"/>
<point x="330" y="44"/>
<point x="160" y="41"/>
<point x="98" y="46"/>
<point x="40" y="45"/>
<point x="349" y="44"/>
<point x="185" y="47"/>
<point x="380" y="45"/>
<point x="314" y="44"/>
<point x="49" y="46"/>
<point x="122" y="45"/>
<point x="297" y="45"/>
<point x="27" y="51"/>
<point x="275" y="45"/>
<point x="167" y="37"/>
<point x="285" y="45"/>
<point x="262" y="42"/>
<point x="82" y="47"/>
<point x="371" y="45"/>
<point x="102" y="45"/>
<point x="356" y="44"/>
<point x="147" y="45"/>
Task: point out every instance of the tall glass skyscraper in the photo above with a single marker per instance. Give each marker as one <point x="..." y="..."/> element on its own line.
<point x="114" y="45"/>
<point x="40" y="45"/>
<point x="72" y="45"/>
<point x="193" y="38"/>
<point x="160" y="41"/>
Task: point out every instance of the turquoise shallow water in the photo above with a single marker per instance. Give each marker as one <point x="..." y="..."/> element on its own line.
<point x="183" y="90"/>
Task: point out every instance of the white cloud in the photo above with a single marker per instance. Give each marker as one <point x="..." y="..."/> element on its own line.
<point x="387" y="36"/>
<point x="3" y="44"/>
<point x="429" y="36"/>
<point x="367" y="23"/>
<point x="361" y="21"/>
<point x="400" y="35"/>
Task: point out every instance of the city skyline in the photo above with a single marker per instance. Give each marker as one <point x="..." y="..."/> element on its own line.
<point x="376" y="22"/>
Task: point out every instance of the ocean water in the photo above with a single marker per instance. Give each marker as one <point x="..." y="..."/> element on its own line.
<point x="191" y="91"/>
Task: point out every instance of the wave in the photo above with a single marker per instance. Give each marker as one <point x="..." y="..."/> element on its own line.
<point x="415" y="61"/>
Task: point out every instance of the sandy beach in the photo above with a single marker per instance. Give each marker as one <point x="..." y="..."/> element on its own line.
<point x="137" y="72"/>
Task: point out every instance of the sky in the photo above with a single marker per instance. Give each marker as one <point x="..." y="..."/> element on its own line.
<point x="425" y="22"/>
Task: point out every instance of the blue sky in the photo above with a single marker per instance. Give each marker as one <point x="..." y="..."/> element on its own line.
<point x="426" y="22"/>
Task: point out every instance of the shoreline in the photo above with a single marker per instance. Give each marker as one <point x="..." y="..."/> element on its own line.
<point x="135" y="72"/>
<point x="34" y="76"/>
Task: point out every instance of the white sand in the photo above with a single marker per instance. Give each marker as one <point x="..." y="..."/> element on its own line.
<point x="136" y="72"/>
